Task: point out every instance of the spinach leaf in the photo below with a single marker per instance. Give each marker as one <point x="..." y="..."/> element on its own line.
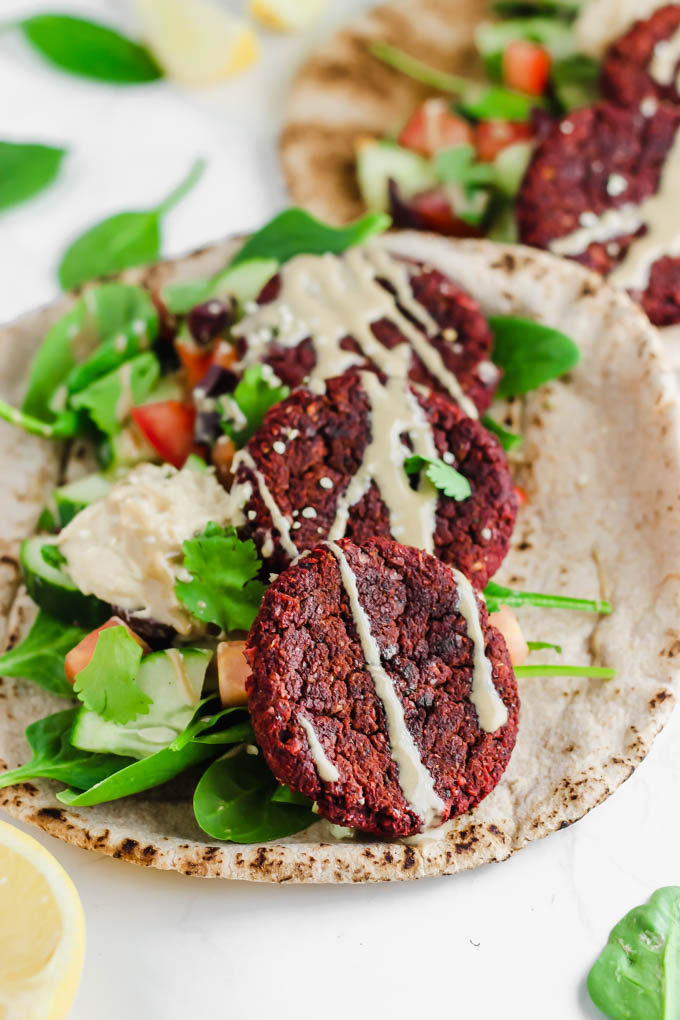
<point x="497" y="103"/>
<point x="529" y="353"/>
<point x="508" y="440"/>
<point x="234" y="800"/>
<point x="140" y="775"/>
<point x="89" y="49"/>
<point x="576" y="81"/>
<point x="496" y="596"/>
<point x="535" y="646"/>
<point x="40" y="656"/>
<point x="253" y="396"/>
<point x="107" y="323"/>
<point x="25" y="170"/>
<point x="209" y="729"/>
<point x="54" y="757"/>
<point x="442" y="475"/>
<point x="295" y="232"/>
<point x="594" y="672"/>
<point x="637" y="974"/>
<point x="107" y="684"/>
<point x="64" y="425"/>
<point x="108" y="400"/>
<point x="222" y="589"/>
<point x="242" y="282"/>
<point x="126" y="239"/>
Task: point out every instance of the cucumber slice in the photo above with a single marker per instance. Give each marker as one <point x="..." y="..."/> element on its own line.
<point x="510" y="166"/>
<point x="55" y="592"/>
<point x="491" y="37"/>
<point x="173" y="679"/>
<point x="378" y="162"/>
<point x="74" y="497"/>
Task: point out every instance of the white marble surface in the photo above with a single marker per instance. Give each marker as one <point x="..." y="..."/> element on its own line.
<point x="515" y="939"/>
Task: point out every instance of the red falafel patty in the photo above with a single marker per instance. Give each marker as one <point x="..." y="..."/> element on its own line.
<point x="449" y="339"/>
<point x="600" y="188"/>
<point x="379" y="689"/>
<point x="332" y="465"/>
<point x="644" y="63"/>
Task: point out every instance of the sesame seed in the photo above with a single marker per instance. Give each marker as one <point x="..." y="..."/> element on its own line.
<point x="279" y="447"/>
<point x="448" y="457"/>
<point x="566" y="127"/>
<point x="648" y="106"/>
<point x="588" y="219"/>
<point x="486" y="534"/>
<point x="309" y="512"/>
<point x="616" y="185"/>
<point x="326" y="482"/>
<point x="613" y="249"/>
<point x="296" y="525"/>
<point x="252" y="514"/>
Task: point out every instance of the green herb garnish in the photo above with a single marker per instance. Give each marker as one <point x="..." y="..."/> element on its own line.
<point x="295" y="232"/>
<point x="529" y="353"/>
<point x="253" y="396"/>
<point x="594" y="672"/>
<point x="222" y="589"/>
<point x="508" y="440"/>
<point x="442" y="475"/>
<point x="496" y="596"/>
<point x="52" y="555"/>
<point x="535" y="646"/>
<point x="107" y="685"/>
<point x="126" y="239"/>
<point x="40" y="656"/>
<point x="25" y="170"/>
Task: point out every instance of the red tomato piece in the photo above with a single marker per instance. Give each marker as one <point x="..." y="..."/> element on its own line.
<point x="492" y="136"/>
<point x="169" y="427"/>
<point x="79" y="657"/>
<point x="195" y="360"/>
<point x="433" y="127"/>
<point x="521" y="496"/>
<point x="526" y="67"/>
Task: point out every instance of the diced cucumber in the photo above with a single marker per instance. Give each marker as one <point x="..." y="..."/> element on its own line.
<point x="55" y="592"/>
<point x="378" y="162"/>
<point x="173" y="679"/>
<point x="510" y="166"/>
<point x="557" y="37"/>
<point x="72" y="498"/>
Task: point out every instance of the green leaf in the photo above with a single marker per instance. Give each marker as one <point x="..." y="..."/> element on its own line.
<point x="52" y="555"/>
<point x="459" y="166"/>
<point x="253" y="396"/>
<point x="63" y="426"/>
<point x="496" y="596"/>
<point x="242" y="282"/>
<point x="442" y="475"/>
<point x="576" y="81"/>
<point x="107" y="324"/>
<point x="535" y="646"/>
<point x="90" y="50"/>
<point x="234" y="801"/>
<point x="594" y="672"/>
<point x="211" y="728"/>
<point x="555" y="36"/>
<point x="497" y="103"/>
<point x="40" y="656"/>
<point x="126" y="239"/>
<point x="222" y="589"/>
<point x="508" y="440"/>
<point x="419" y="71"/>
<point x="107" y="684"/>
<point x="140" y="775"/>
<point x="26" y="170"/>
<point x="529" y="354"/>
<point x="637" y="974"/>
<point x="295" y="232"/>
<point x="108" y="400"/>
<point x="54" y="757"/>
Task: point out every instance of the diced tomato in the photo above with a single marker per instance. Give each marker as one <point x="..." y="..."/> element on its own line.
<point x="195" y="360"/>
<point x="232" y="672"/>
<point x="430" y="210"/>
<point x="521" y="496"/>
<point x="224" y="354"/>
<point x="526" y="67"/>
<point x="433" y="127"/>
<point x="78" y="658"/>
<point x="492" y="136"/>
<point x="222" y="456"/>
<point x="169" y="427"/>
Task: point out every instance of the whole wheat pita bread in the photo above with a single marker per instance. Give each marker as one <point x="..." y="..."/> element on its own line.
<point x="600" y="463"/>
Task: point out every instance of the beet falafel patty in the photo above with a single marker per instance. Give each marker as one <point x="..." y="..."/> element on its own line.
<point x="379" y="689"/>
<point x="332" y="465"/>
<point x="644" y="63"/>
<point x="395" y="307"/>
<point x="601" y="189"/>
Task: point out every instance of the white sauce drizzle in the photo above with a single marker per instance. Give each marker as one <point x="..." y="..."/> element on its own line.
<point x="330" y="297"/>
<point x="326" y="769"/>
<point x="126" y="400"/>
<point x="662" y="66"/>
<point x="394" y="410"/>
<point x="414" y="779"/>
<point x="280" y="522"/>
<point x="177" y="660"/>
<point x="658" y="212"/>
<point x="491" y="711"/>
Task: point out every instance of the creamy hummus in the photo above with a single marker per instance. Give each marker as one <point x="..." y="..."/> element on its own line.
<point x="127" y="547"/>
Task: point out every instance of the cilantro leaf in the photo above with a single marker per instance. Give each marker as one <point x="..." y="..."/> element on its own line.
<point x="52" y="555"/>
<point x="253" y="397"/>
<point x="508" y="440"/>
<point x="442" y="475"/>
<point x="222" y="588"/>
<point x="107" y="685"/>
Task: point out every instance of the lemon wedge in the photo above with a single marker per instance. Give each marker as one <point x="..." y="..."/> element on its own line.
<point x="195" y="42"/>
<point x="42" y="931"/>
<point x="286" y="15"/>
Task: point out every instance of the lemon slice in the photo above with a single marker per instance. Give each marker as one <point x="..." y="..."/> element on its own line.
<point x="286" y="15"/>
<point x="42" y="931"/>
<point x="195" y="42"/>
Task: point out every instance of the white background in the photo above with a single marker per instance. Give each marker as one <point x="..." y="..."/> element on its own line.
<point x="515" y="939"/>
